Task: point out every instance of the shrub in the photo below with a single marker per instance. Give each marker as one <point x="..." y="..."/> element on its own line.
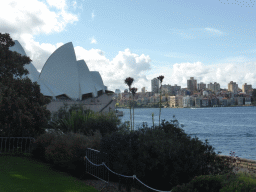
<point x="40" y="144"/>
<point x="82" y="121"/>
<point x="63" y="150"/>
<point x="207" y="183"/>
<point x="163" y="157"/>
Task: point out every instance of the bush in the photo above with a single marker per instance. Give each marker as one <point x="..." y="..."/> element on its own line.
<point x="40" y="144"/>
<point x="163" y="157"/>
<point x="207" y="183"/>
<point x="63" y="150"/>
<point x="82" y="121"/>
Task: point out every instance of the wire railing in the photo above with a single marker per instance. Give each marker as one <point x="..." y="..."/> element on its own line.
<point x="10" y="146"/>
<point x="92" y="153"/>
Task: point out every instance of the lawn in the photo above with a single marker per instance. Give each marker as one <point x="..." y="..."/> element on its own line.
<point x="24" y="174"/>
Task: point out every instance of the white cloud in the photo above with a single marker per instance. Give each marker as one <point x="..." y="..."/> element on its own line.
<point x="93" y="40"/>
<point x="222" y="73"/>
<point x="74" y="4"/>
<point x="93" y="15"/>
<point x="214" y="31"/>
<point x="38" y="53"/>
<point x="24" y="19"/>
<point x="125" y="64"/>
<point x="33" y="17"/>
<point x="59" y="4"/>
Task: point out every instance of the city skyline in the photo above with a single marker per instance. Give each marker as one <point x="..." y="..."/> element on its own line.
<point x="141" y="39"/>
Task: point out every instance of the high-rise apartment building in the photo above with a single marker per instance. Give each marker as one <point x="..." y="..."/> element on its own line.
<point x="155" y="85"/>
<point x="192" y="84"/>
<point x="233" y="87"/>
<point x="175" y="89"/>
<point x="214" y="87"/>
<point x="246" y="88"/>
<point x="201" y="86"/>
<point x="166" y="89"/>
<point x="143" y="90"/>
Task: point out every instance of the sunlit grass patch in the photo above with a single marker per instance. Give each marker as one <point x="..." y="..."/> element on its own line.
<point x="24" y="174"/>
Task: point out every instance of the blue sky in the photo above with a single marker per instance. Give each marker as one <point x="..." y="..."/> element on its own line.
<point x="212" y="41"/>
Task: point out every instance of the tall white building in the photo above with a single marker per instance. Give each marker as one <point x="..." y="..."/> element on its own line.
<point x="214" y="87"/>
<point x="233" y="87"/>
<point x="246" y="88"/>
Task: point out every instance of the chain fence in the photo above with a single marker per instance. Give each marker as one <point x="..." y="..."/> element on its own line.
<point x="92" y="153"/>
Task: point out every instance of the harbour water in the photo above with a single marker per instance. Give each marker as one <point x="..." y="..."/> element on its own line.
<point x="226" y="128"/>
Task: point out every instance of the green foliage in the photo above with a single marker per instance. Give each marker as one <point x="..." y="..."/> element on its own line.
<point x="162" y="157"/>
<point x="64" y="150"/>
<point x="207" y="183"/>
<point x="77" y="120"/>
<point x="22" y="107"/>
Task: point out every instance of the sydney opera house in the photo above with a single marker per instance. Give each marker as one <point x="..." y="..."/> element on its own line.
<point x="64" y="79"/>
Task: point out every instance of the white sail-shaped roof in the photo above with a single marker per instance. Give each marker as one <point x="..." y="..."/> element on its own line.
<point x="62" y="74"/>
<point x="33" y="73"/>
<point x="85" y="79"/>
<point x="98" y="80"/>
<point x="49" y="90"/>
<point x="60" y="70"/>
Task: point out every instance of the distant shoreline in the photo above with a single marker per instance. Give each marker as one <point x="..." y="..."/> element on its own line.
<point x="183" y="107"/>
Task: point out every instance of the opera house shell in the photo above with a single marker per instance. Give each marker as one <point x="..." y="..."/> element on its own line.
<point x="63" y="77"/>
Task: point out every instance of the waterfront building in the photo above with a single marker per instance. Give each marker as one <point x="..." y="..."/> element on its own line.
<point x="233" y="87"/>
<point x="248" y="100"/>
<point x="239" y="101"/>
<point x="205" y="102"/>
<point x="186" y="101"/>
<point x="198" y="102"/>
<point x="64" y="79"/>
<point x="155" y="85"/>
<point x="246" y="88"/>
<point x="174" y="101"/>
<point x="192" y="84"/>
<point x="214" y="102"/>
<point x="224" y="102"/>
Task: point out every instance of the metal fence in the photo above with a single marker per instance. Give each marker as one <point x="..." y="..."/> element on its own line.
<point x="13" y="144"/>
<point x="94" y="157"/>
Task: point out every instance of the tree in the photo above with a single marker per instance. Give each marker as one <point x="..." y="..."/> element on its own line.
<point x="133" y="90"/>
<point x="128" y="81"/>
<point x="22" y="106"/>
<point x="160" y="103"/>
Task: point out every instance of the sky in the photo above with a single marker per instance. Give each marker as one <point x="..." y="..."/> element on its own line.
<point x="212" y="41"/>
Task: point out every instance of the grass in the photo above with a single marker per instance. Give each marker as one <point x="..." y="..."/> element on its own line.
<point x="25" y="174"/>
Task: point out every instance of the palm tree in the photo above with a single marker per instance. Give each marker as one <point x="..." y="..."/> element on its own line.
<point x="133" y="90"/>
<point x="160" y="104"/>
<point x="128" y="81"/>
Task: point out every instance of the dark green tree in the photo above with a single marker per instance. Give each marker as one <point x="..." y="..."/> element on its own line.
<point x="22" y="106"/>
